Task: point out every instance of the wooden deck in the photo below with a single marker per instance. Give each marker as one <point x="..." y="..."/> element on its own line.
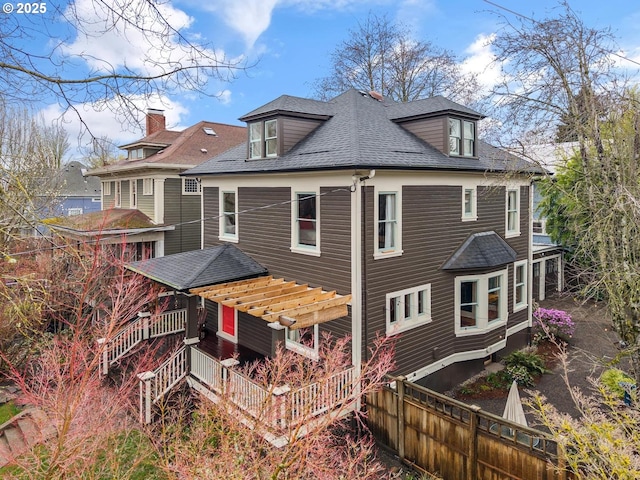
<point x="223" y="349"/>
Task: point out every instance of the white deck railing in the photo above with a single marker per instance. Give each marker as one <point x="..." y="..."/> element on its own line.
<point x="275" y="407"/>
<point x="144" y="327"/>
<point x="155" y="385"/>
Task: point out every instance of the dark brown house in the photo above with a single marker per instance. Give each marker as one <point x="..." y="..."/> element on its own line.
<point x="398" y="207"/>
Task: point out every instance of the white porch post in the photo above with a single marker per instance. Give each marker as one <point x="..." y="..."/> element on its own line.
<point x="146" y="321"/>
<point x="280" y="405"/>
<point x="145" y="396"/>
<point x="104" y="354"/>
<point x="226" y="365"/>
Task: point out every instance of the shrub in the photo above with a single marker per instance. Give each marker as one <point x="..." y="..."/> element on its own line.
<point x="610" y="379"/>
<point x="550" y="324"/>
<point x="523" y="365"/>
<point x="520" y="374"/>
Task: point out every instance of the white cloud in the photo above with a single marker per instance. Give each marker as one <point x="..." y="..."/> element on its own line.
<point x="224" y="96"/>
<point x="102" y="122"/>
<point x="481" y="61"/>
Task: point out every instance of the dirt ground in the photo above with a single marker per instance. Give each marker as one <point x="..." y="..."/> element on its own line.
<point x="592" y="348"/>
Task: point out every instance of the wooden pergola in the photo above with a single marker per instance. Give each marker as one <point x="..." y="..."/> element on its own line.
<point x="277" y="300"/>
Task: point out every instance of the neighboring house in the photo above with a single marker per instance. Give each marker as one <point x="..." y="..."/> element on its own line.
<point x="371" y="218"/>
<point x="548" y="264"/>
<point x="148" y="182"/>
<point x="79" y="193"/>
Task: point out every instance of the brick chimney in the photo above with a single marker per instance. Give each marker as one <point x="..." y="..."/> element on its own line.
<point x="156" y="121"/>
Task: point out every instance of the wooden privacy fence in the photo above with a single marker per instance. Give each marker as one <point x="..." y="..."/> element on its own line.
<point x="458" y="441"/>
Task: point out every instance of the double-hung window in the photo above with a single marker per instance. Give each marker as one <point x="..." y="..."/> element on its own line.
<point x="228" y="215"/>
<point x="462" y="137"/>
<point x="303" y="341"/>
<point x="408" y="308"/>
<point x="255" y="140"/>
<point x="513" y="212"/>
<point x="469" y="204"/>
<point x="270" y="138"/>
<point x="106" y="188"/>
<point x="263" y="139"/>
<point x="388" y="224"/>
<point x="519" y="285"/>
<point x="147" y="186"/>
<point x="481" y="302"/>
<point x="133" y="193"/>
<point x="118" y="194"/>
<point x="305" y="228"/>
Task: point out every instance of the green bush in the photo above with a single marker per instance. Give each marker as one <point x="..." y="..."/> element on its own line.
<point x="523" y="365"/>
<point x="611" y="378"/>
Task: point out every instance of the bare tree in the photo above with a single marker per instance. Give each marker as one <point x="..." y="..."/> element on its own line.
<point x="382" y="56"/>
<point x="159" y="55"/>
<point x="30" y="156"/>
<point x="103" y="152"/>
<point x="561" y="74"/>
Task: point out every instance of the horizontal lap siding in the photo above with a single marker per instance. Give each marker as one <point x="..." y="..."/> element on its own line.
<point x="146" y="203"/>
<point x="432" y="131"/>
<point x="294" y="130"/>
<point x="265" y="235"/>
<point x="178" y="210"/>
<point x="432" y="230"/>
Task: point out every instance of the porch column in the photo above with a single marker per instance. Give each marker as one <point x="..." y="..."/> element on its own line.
<point x="191" y="329"/>
<point x="277" y="336"/>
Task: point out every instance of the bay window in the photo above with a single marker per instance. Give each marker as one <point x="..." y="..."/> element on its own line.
<point x="481" y="302"/>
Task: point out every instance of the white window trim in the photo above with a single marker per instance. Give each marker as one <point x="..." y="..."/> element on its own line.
<point x="397" y="251"/>
<point x="295" y="245"/>
<point x="147" y="186"/>
<point x="133" y="193"/>
<point x="482" y="321"/>
<point x="74" y="211"/>
<point x="416" y="319"/>
<point x="516" y="231"/>
<point x="256" y="140"/>
<point x="222" y="235"/>
<point x="117" y="201"/>
<point x="524" y="304"/>
<point x="304" y="350"/>
<point x="473" y="216"/>
<point x="106" y="189"/>
<point x="184" y="182"/>
<point x="275" y="154"/>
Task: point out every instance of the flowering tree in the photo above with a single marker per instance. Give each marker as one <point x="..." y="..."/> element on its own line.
<point x="221" y="443"/>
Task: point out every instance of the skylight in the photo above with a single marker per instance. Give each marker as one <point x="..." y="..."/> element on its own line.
<point x="209" y="131"/>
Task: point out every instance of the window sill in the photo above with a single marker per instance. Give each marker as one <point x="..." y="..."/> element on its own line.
<point x="306" y="251"/>
<point x="470" y="219"/>
<point x="395" y="330"/>
<point x="512" y="234"/>
<point x="228" y="239"/>
<point x="470" y="331"/>
<point x="380" y="255"/>
<point x="520" y="307"/>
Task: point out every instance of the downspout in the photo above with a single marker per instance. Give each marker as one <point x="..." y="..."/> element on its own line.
<point x="363" y="259"/>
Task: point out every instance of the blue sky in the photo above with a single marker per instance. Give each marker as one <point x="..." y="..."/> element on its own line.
<point x="292" y="41"/>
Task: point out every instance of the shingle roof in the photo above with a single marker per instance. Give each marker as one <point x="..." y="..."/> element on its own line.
<point x="199" y="268"/>
<point x="481" y="250"/>
<point x="105" y="220"/>
<point x="73" y="183"/>
<point x="190" y="147"/>
<point x="361" y="132"/>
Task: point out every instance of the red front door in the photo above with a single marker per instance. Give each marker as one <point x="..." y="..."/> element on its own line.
<point x="229" y="321"/>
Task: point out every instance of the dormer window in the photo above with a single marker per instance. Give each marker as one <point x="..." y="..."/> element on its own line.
<point x="263" y="139"/>
<point x="462" y="137"/>
<point x="136" y="153"/>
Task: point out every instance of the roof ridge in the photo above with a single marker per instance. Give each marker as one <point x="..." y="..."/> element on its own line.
<point x="196" y="273"/>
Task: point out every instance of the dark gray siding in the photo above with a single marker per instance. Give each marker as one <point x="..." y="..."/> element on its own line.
<point x="293" y="130"/>
<point x="179" y="209"/>
<point x="432" y="130"/>
<point x="432" y="230"/>
<point x="254" y="333"/>
<point x="265" y="235"/>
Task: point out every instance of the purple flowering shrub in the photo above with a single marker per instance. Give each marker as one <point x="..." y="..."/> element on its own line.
<point x="550" y="324"/>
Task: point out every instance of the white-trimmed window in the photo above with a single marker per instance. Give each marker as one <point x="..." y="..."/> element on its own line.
<point x="462" y="137"/>
<point x="305" y="230"/>
<point x="408" y="308"/>
<point x="481" y="302"/>
<point x="303" y="341"/>
<point x="190" y="186"/>
<point x="118" y="194"/>
<point x="469" y="204"/>
<point x="519" y="285"/>
<point x="133" y="193"/>
<point x="106" y="188"/>
<point x="388" y="228"/>
<point x="74" y="211"/>
<point x="513" y="212"/>
<point x="270" y="138"/>
<point x="147" y="186"/>
<point x="228" y="215"/>
<point x="255" y="140"/>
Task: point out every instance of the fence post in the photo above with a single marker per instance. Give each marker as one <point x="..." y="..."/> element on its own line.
<point x="400" y="414"/>
<point x="104" y="367"/>
<point x="146" y="317"/>
<point x="472" y="455"/>
<point x="145" y="396"/>
<point x="226" y="365"/>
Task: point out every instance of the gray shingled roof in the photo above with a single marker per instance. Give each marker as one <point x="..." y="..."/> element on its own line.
<point x="428" y="106"/>
<point x="199" y="268"/>
<point x="361" y="133"/>
<point x="73" y="183"/>
<point x="481" y="250"/>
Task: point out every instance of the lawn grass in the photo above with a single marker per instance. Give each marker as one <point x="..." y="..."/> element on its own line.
<point x="7" y="411"/>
